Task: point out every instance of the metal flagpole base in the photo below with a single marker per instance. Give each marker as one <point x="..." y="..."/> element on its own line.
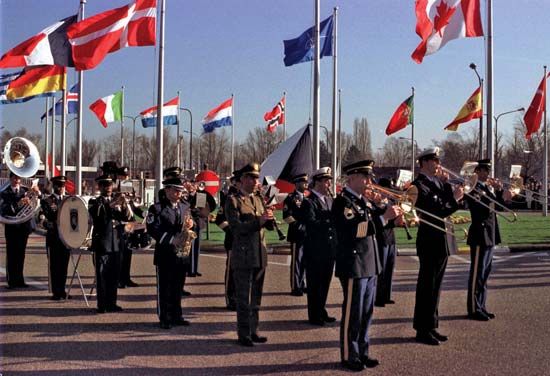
<point x="77" y="275"/>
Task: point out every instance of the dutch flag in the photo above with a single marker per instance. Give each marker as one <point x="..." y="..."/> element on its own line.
<point x="220" y="116"/>
<point x="169" y="114"/>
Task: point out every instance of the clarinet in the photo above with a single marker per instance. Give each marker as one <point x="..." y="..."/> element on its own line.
<point x="274" y="221"/>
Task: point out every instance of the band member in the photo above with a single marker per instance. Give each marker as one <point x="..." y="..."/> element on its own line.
<point x="296" y="234"/>
<point x="12" y="199"/>
<point x="357" y="264"/>
<point x="247" y="218"/>
<point x="58" y="253"/>
<point x="106" y="215"/>
<point x="221" y="221"/>
<point x="438" y="197"/>
<point x="169" y="222"/>
<point x="319" y="245"/>
<point x="480" y="239"/>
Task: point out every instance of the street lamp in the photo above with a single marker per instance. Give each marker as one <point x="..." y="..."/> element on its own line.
<point x="480" y="81"/>
<point x="200" y="144"/>
<point x="190" y="137"/>
<point x="496" y="128"/>
<point x="414" y="148"/>
<point x="134" y="118"/>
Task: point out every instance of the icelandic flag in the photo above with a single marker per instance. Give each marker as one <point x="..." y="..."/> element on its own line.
<point x="169" y="114"/>
<point x="72" y="104"/>
<point x="220" y="116"/>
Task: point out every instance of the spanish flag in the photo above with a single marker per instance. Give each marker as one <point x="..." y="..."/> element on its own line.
<point x="473" y="109"/>
<point x="43" y="81"/>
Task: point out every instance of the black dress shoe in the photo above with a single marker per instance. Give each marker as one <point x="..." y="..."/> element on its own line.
<point x="296" y="293"/>
<point x="114" y="308"/>
<point x="440" y="337"/>
<point x="329" y="319"/>
<point x="354" y="365"/>
<point x="369" y="362"/>
<point x="245" y="341"/>
<point x="490" y="315"/>
<point x="22" y="285"/>
<point x="317" y="322"/>
<point x="192" y="275"/>
<point x="185" y="293"/>
<point x="131" y="283"/>
<point x="56" y="297"/>
<point x="101" y="310"/>
<point x="180" y="322"/>
<point x="165" y="325"/>
<point x="231" y="307"/>
<point x="426" y="338"/>
<point x="478" y="316"/>
<point x="390" y="301"/>
<point x="121" y="286"/>
<point x="258" y="339"/>
<point x="379" y="304"/>
<point x="198" y="274"/>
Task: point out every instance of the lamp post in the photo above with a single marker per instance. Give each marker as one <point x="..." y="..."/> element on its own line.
<point x="414" y="148"/>
<point x="190" y="136"/>
<point x="134" y="118"/>
<point x="496" y="126"/>
<point x="480" y="81"/>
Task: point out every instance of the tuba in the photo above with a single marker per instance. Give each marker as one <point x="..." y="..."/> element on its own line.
<point x="22" y="158"/>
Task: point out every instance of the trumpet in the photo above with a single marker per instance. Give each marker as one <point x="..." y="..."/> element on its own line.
<point x="274" y="220"/>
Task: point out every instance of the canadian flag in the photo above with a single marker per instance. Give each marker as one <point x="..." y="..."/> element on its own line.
<point x="439" y="21"/>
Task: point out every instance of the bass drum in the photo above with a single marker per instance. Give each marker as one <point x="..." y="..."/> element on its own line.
<point x="73" y="222"/>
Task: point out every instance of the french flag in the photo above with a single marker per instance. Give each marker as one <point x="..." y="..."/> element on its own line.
<point x="220" y="116"/>
<point x="169" y="114"/>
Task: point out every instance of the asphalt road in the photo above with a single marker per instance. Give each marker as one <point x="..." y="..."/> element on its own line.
<point x="44" y="337"/>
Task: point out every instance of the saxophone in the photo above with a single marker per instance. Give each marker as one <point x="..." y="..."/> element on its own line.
<point x="183" y="241"/>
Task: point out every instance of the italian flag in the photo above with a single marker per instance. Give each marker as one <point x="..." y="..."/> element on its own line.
<point x="108" y="109"/>
<point x="402" y="117"/>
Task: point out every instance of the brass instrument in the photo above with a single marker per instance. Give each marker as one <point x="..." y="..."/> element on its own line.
<point x="183" y="240"/>
<point x="516" y="186"/>
<point x="494" y="202"/>
<point x="274" y="220"/>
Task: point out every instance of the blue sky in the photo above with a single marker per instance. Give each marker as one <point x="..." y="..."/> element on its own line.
<point x="216" y="48"/>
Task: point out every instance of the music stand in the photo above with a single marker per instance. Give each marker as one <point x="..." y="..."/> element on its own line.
<point x="77" y="274"/>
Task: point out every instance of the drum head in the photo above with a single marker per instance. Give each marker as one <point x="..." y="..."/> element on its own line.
<point x="73" y="221"/>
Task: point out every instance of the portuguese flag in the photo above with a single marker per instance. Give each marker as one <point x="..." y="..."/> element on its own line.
<point x="402" y="117"/>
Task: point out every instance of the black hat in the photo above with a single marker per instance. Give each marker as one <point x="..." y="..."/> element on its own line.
<point x="385" y="182"/>
<point x="252" y="169"/>
<point x="172" y="172"/>
<point x="109" y="166"/>
<point x="234" y="176"/>
<point x="12" y="174"/>
<point x="105" y="179"/>
<point x="484" y="163"/>
<point x="429" y="153"/>
<point x="323" y="172"/>
<point x="299" y="178"/>
<point x="172" y="182"/>
<point x="361" y="167"/>
<point x="58" y="180"/>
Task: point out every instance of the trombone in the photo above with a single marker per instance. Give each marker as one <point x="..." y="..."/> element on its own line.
<point x="516" y="186"/>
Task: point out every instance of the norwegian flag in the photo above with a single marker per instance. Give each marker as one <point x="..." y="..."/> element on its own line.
<point x="276" y="116"/>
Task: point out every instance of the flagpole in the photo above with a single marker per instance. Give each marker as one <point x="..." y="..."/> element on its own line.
<point x="160" y="101"/>
<point x="334" y="97"/>
<point x="46" y="138"/>
<point x="412" y="135"/>
<point x="285" y="113"/>
<point x="53" y="138"/>
<point x="316" y="89"/>
<point x="122" y="130"/>
<point x="78" y="175"/>
<point x="232" y="135"/>
<point x="339" y="134"/>
<point x="545" y="159"/>
<point x="489" y="88"/>
<point x="63" y="130"/>
<point x="178" y="134"/>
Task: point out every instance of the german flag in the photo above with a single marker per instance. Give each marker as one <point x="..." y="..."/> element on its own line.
<point x="43" y="81"/>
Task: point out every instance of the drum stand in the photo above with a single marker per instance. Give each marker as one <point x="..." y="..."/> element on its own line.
<point x="77" y="274"/>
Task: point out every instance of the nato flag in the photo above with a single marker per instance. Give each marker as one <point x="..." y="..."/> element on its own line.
<point x="300" y="50"/>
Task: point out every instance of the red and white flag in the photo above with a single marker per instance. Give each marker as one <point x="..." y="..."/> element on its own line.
<point x="533" y="115"/>
<point x="129" y="26"/>
<point x="276" y="116"/>
<point x="439" y="21"/>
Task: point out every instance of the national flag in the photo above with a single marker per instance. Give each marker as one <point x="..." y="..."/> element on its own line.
<point x="32" y="82"/>
<point x="276" y="116"/>
<point x="72" y="104"/>
<point x="169" y="114"/>
<point x="108" y="109"/>
<point x="472" y="109"/>
<point x="128" y="26"/>
<point x="439" y="21"/>
<point x="49" y="47"/>
<point x="69" y="184"/>
<point x="402" y="117"/>
<point x="301" y="49"/>
<point x="533" y="115"/>
<point x="220" y="116"/>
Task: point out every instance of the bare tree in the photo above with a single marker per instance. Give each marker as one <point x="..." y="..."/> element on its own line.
<point x="396" y="153"/>
<point x="90" y="153"/>
<point x="362" y="138"/>
<point x="258" y="145"/>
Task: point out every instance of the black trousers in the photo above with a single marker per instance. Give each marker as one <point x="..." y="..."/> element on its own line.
<point x="16" y="243"/>
<point x="58" y="263"/>
<point x="249" y="284"/>
<point x="125" y="262"/>
<point x="229" y="282"/>
<point x="297" y="266"/>
<point x="384" y="280"/>
<point x="107" y="268"/>
<point x="318" y="277"/>
<point x="170" y="281"/>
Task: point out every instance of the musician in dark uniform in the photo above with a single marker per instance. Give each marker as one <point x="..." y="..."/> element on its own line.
<point x="106" y="215"/>
<point x="167" y="220"/>
<point x="438" y="197"/>
<point x="480" y="239"/>
<point x="221" y="221"/>
<point x="58" y="253"/>
<point x="247" y="218"/>
<point x="319" y="245"/>
<point x="12" y="198"/>
<point x="357" y="264"/>
<point x="296" y="234"/>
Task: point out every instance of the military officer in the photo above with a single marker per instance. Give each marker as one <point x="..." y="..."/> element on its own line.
<point x="438" y="197"/>
<point x="357" y="264"/>
<point x="480" y="239"/>
<point x="58" y="253"/>
<point x="169" y="223"/>
<point x="247" y="218"/>
<point x="296" y="234"/>
<point x="106" y="215"/>
<point x="319" y="245"/>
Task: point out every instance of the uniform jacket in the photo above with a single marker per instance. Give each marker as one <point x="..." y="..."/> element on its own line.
<point x="9" y="207"/>
<point x="291" y="214"/>
<point x="107" y="231"/>
<point x="221" y="218"/>
<point x="357" y="257"/>
<point x="385" y="234"/>
<point x="243" y="214"/>
<point x="50" y="206"/>
<point x="436" y="198"/>
<point x="320" y="236"/>
<point x="481" y="229"/>
<point x="163" y="223"/>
